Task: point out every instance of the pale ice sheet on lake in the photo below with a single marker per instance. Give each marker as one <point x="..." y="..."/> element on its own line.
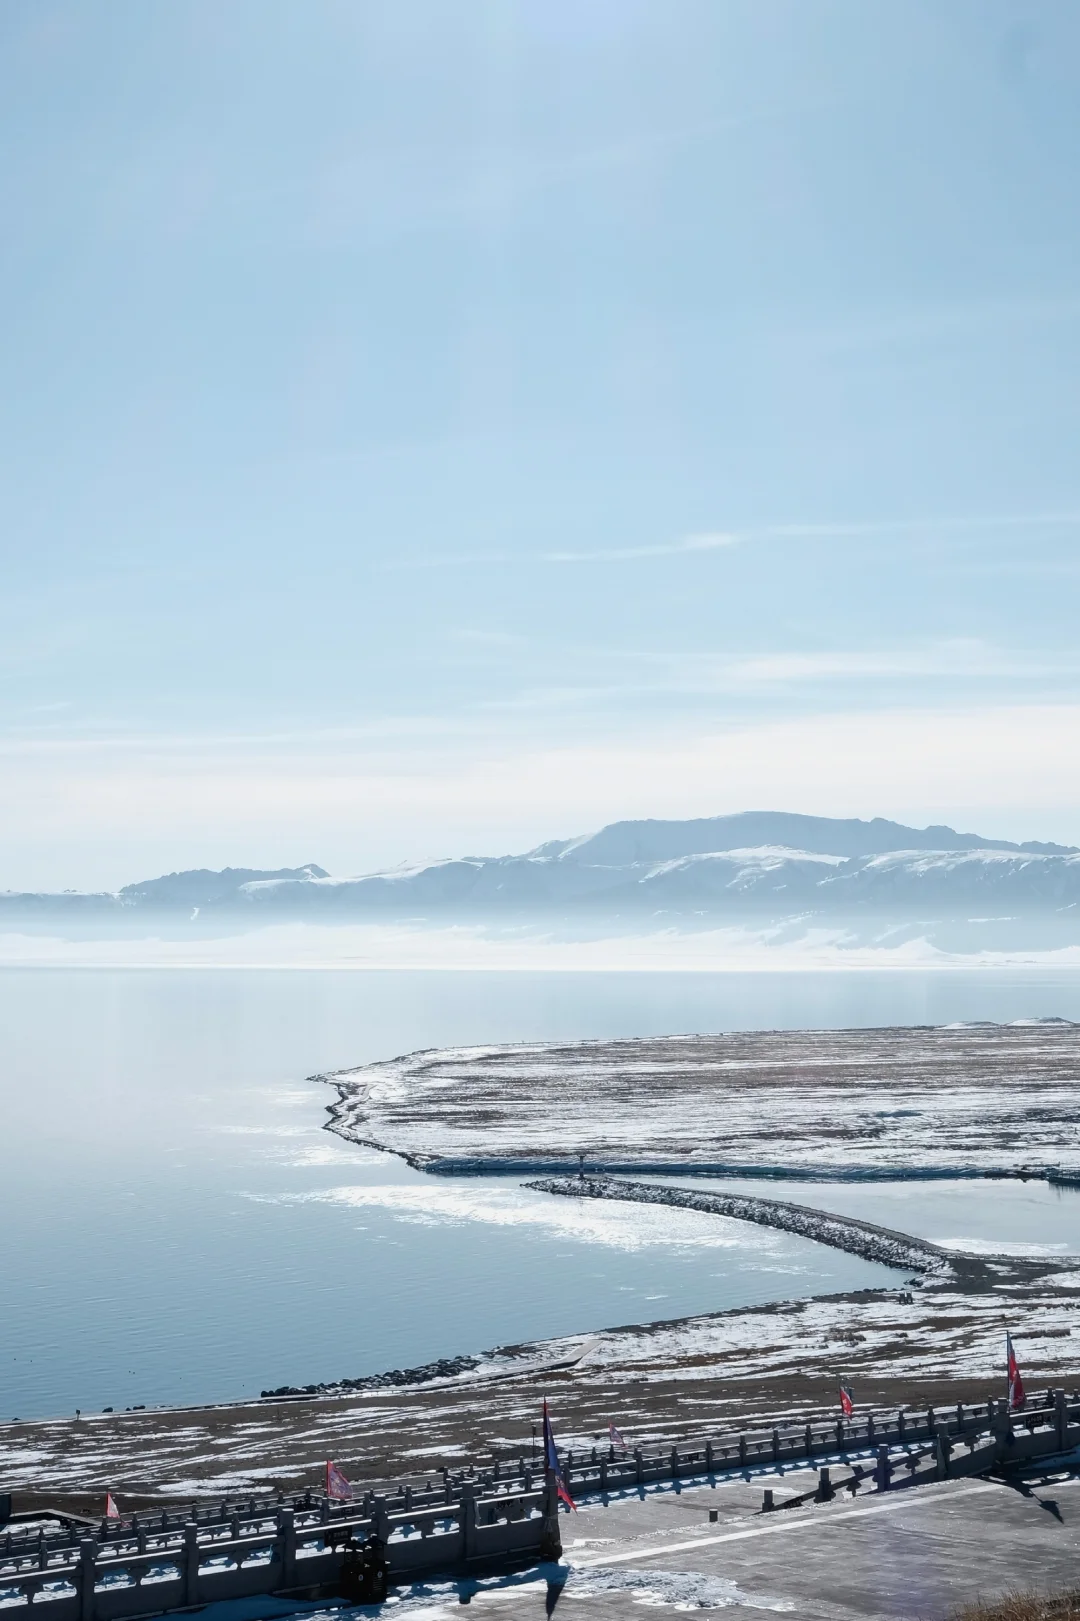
<point x="630" y="1227"/>
<point x="985" y="1246"/>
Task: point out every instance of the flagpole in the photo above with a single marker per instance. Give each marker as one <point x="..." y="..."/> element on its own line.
<point x="1008" y="1376"/>
<point x="550" y="1536"/>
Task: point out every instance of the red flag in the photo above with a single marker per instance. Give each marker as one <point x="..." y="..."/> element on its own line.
<point x="338" y="1489"/>
<point x="847" y="1402"/>
<point x="111" y="1510"/>
<point x="1017" y="1395"/>
<point x="616" y="1438"/>
<point x="551" y="1461"/>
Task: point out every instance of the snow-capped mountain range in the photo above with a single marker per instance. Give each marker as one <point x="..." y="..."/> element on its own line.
<point x="755" y="864"/>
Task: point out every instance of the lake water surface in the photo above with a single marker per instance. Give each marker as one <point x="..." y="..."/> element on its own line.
<point x="175" y="1225"/>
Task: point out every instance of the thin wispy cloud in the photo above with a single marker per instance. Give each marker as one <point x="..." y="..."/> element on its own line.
<point x="622" y="554"/>
<point x="824" y="529"/>
<point x="799" y="677"/>
<point x="722" y="539"/>
<point x="710" y="542"/>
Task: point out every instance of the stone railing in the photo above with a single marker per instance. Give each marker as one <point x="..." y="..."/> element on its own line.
<point x="157" y="1562"/>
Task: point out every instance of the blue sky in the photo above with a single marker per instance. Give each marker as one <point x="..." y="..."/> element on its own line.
<point x="433" y="427"/>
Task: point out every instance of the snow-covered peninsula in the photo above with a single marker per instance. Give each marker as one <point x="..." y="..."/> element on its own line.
<point x="963" y="1099"/>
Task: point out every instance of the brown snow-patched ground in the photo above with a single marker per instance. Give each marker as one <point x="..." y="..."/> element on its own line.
<point x="656" y="1382"/>
<point x="979" y="1097"/>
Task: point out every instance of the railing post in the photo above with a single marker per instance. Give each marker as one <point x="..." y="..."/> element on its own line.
<point x="468" y="1519"/>
<point x="674" y="1463"/>
<point x="900" y="1424"/>
<point x="776" y="1446"/>
<point x="808" y="1442"/>
<point x="639" y="1467"/>
<point x="884" y="1469"/>
<point x="87" y="1578"/>
<point x="288" y="1548"/>
<point x="708" y="1457"/>
<point x="742" y="1451"/>
<point x="871" y="1434"/>
<point x="942" y="1450"/>
<point x="1061" y="1421"/>
<point x="550" y="1536"/>
<point x="603" y="1474"/>
<point x="190" y="1564"/>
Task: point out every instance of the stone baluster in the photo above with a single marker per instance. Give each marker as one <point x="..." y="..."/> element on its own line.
<point x="287" y="1539"/>
<point x="190" y="1565"/>
<point x="87" y="1578"/>
<point x="1061" y="1421"/>
<point x="884" y="1469"/>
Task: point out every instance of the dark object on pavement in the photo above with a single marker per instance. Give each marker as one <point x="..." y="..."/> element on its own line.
<point x="364" y="1572"/>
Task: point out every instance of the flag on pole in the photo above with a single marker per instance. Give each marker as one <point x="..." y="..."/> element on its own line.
<point x="1017" y="1394"/>
<point x="616" y="1438"/>
<point x="847" y="1401"/>
<point x="111" y="1510"/>
<point x="551" y="1461"/>
<point x="338" y="1489"/>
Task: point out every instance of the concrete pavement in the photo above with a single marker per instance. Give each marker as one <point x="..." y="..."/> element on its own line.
<point x="910" y="1555"/>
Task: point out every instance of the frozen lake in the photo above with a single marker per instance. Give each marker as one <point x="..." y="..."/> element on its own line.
<point x="176" y="1226"/>
<point x="1002" y="1217"/>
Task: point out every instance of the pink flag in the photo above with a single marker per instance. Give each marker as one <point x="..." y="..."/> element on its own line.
<point x="847" y="1401"/>
<point x="616" y="1438"/>
<point x="337" y="1487"/>
<point x="111" y="1510"/>
<point x="1017" y="1394"/>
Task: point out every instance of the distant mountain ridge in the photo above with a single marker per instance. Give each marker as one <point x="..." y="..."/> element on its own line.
<point x="201" y="887"/>
<point x="623" y="843"/>
<point x="752" y="864"/>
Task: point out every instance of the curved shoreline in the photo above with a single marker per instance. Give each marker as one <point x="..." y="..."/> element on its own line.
<point x="503" y="1166"/>
<point x="550" y="1165"/>
<point x="901" y="1251"/>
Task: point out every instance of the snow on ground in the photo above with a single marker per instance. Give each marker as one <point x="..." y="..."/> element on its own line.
<point x="853" y="1101"/>
<point x="657" y="1382"/>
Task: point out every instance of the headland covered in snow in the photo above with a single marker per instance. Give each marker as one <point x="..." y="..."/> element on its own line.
<point x="962" y="1099"/>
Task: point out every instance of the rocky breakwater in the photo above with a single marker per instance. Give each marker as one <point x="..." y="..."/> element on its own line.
<point x="898" y="1250"/>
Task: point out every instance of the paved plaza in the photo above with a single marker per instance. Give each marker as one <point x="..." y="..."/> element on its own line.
<point x="913" y="1553"/>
